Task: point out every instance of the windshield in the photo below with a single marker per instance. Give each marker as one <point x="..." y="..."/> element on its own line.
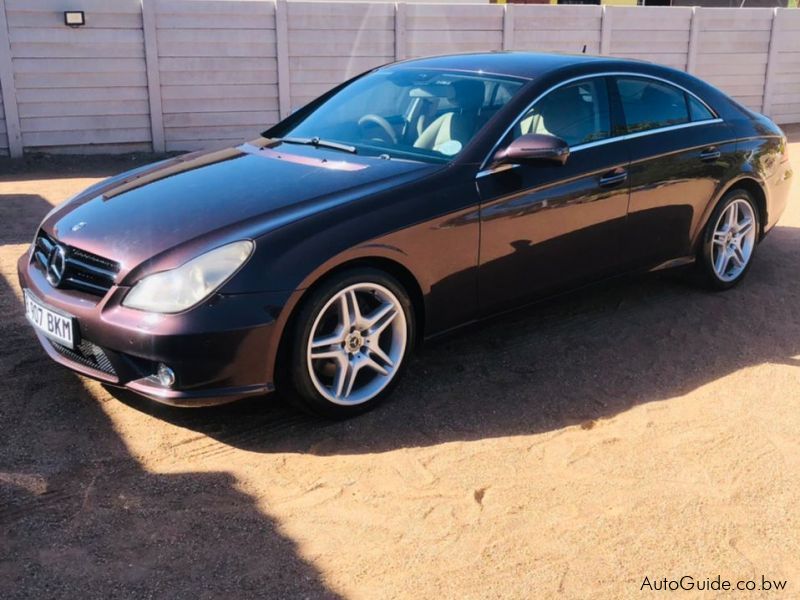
<point x="415" y="114"/>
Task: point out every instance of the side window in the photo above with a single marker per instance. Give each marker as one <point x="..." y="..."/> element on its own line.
<point x="698" y="110"/>
<point x="577" y="113"/>
<point x="649" y="104"/>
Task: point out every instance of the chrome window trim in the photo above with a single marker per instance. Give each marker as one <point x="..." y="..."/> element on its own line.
<point x="611" y="140"/>
<point x="716" y="119"/>
<point x="636" y="134"/>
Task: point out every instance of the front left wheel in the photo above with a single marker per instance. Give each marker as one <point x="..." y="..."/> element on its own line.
<point x="351" y="340"/>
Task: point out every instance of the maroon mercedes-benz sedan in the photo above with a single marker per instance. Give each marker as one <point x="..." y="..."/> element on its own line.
<point x="410" y="200"/>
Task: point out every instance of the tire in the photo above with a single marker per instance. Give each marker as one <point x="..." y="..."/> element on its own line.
<point x="362" y="325"/>
<point x="738" y="241"/>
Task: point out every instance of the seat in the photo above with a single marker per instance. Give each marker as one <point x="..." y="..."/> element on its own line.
<point x="565" y="114"/>
<point x="457" y="125"/>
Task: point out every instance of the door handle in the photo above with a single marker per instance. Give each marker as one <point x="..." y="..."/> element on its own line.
<point x="710" y="154"/>
<point x="613" y="177"/>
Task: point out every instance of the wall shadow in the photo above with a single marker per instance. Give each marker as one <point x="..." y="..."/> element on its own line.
<point x="64" y="166"/>
<point x="81" y="518"/>
<point x="25" y="208"/>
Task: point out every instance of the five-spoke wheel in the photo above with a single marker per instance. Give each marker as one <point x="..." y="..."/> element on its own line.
<point x="354" y="333"/>
<point x="734" y="239"/>
<point x="730" y="240"/>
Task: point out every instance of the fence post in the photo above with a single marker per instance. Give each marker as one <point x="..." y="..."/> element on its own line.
<point x="282" y="57"/>
<point x="399" y="30"/>
<point x="605" y="30"/>
<point x="508" y="26"/>
<point x="153" y="76"/>
<point x="8" y="88"/>
<point x="694" y="30"/>
<point x="772" y="59"/>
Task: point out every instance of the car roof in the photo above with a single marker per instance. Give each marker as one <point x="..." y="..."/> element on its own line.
<point x="526" y="65"/>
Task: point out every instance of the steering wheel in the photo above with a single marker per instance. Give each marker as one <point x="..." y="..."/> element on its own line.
<point x="378" y="120"/>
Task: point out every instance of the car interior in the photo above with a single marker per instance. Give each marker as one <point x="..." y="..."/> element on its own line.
<point x="441" y="117"/>
<point x="415" y="113"/>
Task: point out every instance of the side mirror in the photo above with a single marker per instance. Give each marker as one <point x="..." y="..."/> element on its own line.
<point x="534" y="148"/>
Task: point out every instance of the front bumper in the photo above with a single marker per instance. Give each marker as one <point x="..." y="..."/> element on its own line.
<point x="220" y="351"/>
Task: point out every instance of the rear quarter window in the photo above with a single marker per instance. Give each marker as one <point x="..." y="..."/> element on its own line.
<point x="697" y="110"/>
<point x="649" y="104"/>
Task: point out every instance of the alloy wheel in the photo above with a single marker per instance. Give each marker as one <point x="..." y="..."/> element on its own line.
<point x="356" y="344"/>
<point x="733" y="240"/>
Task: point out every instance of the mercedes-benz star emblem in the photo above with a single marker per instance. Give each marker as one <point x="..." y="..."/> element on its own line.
<point x="56" y="264"/>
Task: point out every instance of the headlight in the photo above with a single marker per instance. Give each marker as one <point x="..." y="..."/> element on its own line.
<point x="183" y="287"/>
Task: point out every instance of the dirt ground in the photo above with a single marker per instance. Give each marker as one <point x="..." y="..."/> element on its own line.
<point x="642" y="429"/>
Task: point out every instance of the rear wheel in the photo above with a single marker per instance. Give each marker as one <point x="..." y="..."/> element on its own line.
<point x="351" y="339"/>
<point x="730" y="240"/>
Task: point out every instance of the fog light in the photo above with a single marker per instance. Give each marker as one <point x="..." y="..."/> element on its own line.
<point x="166" y="376"/>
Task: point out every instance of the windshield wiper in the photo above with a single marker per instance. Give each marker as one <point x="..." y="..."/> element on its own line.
<point x="318" y="143"/>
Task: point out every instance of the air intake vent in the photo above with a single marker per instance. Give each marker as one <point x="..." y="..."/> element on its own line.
<point x="87" y="354"/>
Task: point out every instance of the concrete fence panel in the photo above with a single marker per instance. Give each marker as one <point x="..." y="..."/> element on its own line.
<point x="546" y="28"/>
<point x="79" y="87"/>
<point x="190" y="74"/>
<point x="658" y="34"/>
<point x="784" y="101"/>
<point x="331" y="42"/>
<point x="733" y="45"/>
<point x="445" y="28"/>
<point x="218" y="71"/>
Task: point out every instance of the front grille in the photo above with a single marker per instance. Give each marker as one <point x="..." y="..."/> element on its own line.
<point x="87" y="354"/>
<point x="83" y="271"/>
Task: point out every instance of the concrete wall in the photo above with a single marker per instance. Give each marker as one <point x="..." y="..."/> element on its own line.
<point x="79" y="86"/>
<point x="218" y="70"/>
<point x="189" y="74"/>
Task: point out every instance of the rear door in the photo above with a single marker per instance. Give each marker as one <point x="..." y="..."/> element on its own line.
<point x="546" y="227"/>
<point x="679" y="153"/>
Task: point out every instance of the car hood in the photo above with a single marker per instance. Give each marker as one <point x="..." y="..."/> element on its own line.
<point x="207" y="197"/>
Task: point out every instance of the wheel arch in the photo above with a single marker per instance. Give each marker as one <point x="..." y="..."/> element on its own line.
<point x="754" y="187"/>
<point x="392" y="267"/>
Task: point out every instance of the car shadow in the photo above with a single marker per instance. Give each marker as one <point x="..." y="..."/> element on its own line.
<point x="80" y="517"/>
<point x="570" y="361"/>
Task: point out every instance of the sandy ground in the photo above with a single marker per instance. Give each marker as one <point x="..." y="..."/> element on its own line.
<point x="645" y="428"/>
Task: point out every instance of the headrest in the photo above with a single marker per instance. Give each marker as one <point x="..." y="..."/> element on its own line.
<point x="469" y="93"/>
<point x="564" y="99"/>
<point x="433" y="91"/>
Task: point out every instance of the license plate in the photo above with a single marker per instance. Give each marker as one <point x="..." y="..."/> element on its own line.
<point x="54" y="325"/>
